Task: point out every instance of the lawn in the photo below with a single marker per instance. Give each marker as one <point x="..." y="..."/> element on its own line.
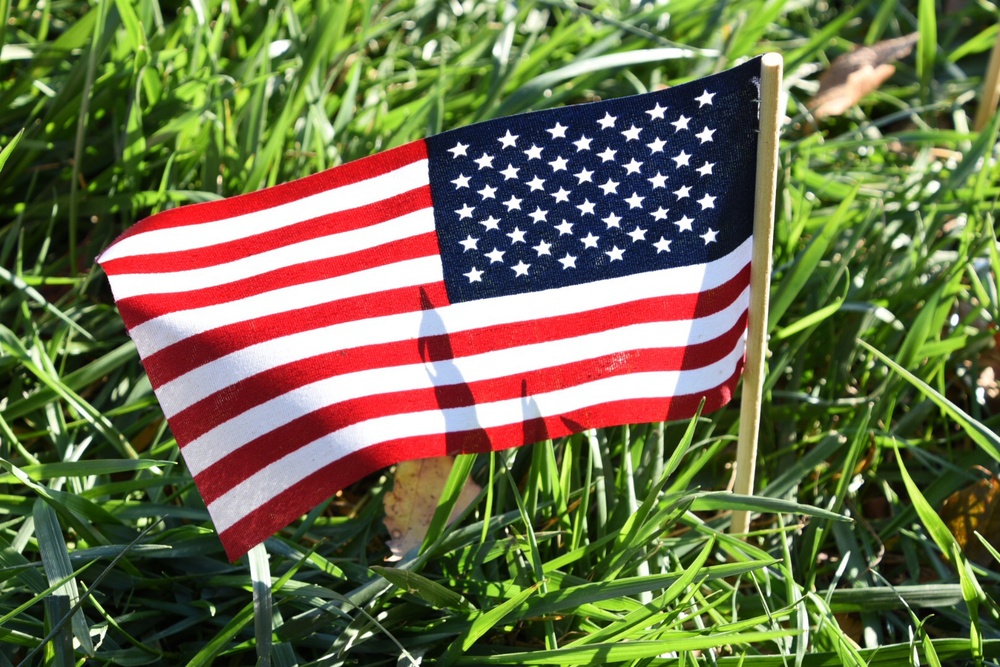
<point x="877" y="515"/>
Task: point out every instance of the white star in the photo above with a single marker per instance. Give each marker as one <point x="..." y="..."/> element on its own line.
<point x="538" y="215"/>
<point x="565" y="228"/>
<point x="656" y="112"/>
<point x="536" y="184"/>
<point x="607" y="155"/>
<point x="607" y="121"/>
<point x="459" y="149"/>
<point x="516" y="236"/>
<point x="658" y="181"/>
<point x="559" y="164"/>
<point x="583" y="143"/>
<point x="705" y="135"/>
<point x="660" y="213"/>
<point x="469" y="243"/>
<point x="495" y="256"/>
<point x="586" y="207"/>
<point x="663" y="245"/>
<point x="510" y="172"/>
<point x="568" y="262"/>
<point x="508" y="140"/>
<point x="657" y="146"/>
<point x="490" y="223"/>
<point x="638" y="234"/>
<point x="512" y="203"/>
<point x="484" y="161"/>
<point x="558" y="131"/>
<point x="542" y="248"/>
<point x="682" y="159"/>
<point x="709" y="236"/>
<point x="461" y="182"/>
<point x="609" y="187"/>
<point x="681" y="123"/>
<point x="704" y="98"/>
<point x="683" y="191"/>
<point x="584" y="176"/>
<point x="520" y="269"/>
<point x="632" y="133"/>
<point x="465" y="212"/>
<point x="632" y="167"/>
<point x="474" y="276"/>
<point x="561" y="194"/>
<point x="705" y="169"/>
<point x="684" y="224"/>
<point x="707" y="202"/>
<point x="488" y="192"/>
<point x="612" y="220"/>
<point x="534" y="153"/>
<point x="614" y="253"/>
<point x="635" y="201"/>
<point x="590" y="241"/>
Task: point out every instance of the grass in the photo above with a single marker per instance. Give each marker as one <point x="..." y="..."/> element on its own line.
<point x="603" y="548"/>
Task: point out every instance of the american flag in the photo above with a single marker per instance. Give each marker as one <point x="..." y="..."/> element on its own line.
<point x="496" y="285"/>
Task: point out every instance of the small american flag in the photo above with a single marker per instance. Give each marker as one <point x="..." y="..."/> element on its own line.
<point x="515" y="280"/>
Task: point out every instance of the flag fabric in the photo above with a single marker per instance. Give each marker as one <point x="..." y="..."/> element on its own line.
<point x="519" y="279"/>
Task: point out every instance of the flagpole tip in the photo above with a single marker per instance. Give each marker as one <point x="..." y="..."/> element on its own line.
<point x="772" y="60"/>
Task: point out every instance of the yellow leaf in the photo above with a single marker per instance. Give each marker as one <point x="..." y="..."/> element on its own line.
<point x="974" y="508"/>
<point x="410" y="505"/>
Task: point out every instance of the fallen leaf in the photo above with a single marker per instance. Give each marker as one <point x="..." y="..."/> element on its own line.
<point x="989" y="378"/>
<point x="987" y="388"/>
<point x="975" y="508"/>
<point x="851" y="625"/>
<point x="410" y="505"/>
<point x="854" y="75"/>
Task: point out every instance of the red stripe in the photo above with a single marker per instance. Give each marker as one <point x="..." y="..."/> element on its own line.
<point x="221" y="406"/>
<point x="295" y="501"/>
<point x="265" y="450"/>
<point x="230" y="251"/>
<point x="186" y="355"/>
<point x="138" y="309"/>
<point x="352" y="172"/>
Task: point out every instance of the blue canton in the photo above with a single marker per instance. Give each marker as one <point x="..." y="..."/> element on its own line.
<point x="596" y="191"/>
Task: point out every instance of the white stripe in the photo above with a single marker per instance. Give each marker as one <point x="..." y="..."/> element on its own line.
<point x="127" y="285"/>
<point x="223" y="440"/>
<point x="354" y="195"/>
<point x="216" y="375"/>
<point x="268" y="482"/>
<point x="153" y="335"/>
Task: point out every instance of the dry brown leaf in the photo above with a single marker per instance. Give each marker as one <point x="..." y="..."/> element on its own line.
<point x="851" y="625"/>
<point x="854" y="75"/>
<point x="989" y="377"/>
<point x="988" y="361"/>
<point x="410" y="505"/>
<point x="974" y="508"/>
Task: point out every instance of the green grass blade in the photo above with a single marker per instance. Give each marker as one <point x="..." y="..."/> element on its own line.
<point x="487" y="621"/>
<point x="532" y="91"/>
<point x="430" y="591"/>
<point x="263" y="610"/>
<point x="449" y="498"/>
<point x="55" y="557"/>
<point x="611" y="653"/>
<point x="719" y="500"/>
<point x="987" y="440"/>
<point x="972" y="593"/>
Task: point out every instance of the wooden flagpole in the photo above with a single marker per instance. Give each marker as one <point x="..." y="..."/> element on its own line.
<point x="991" y="90"/>
<point x="771" y="67"/>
